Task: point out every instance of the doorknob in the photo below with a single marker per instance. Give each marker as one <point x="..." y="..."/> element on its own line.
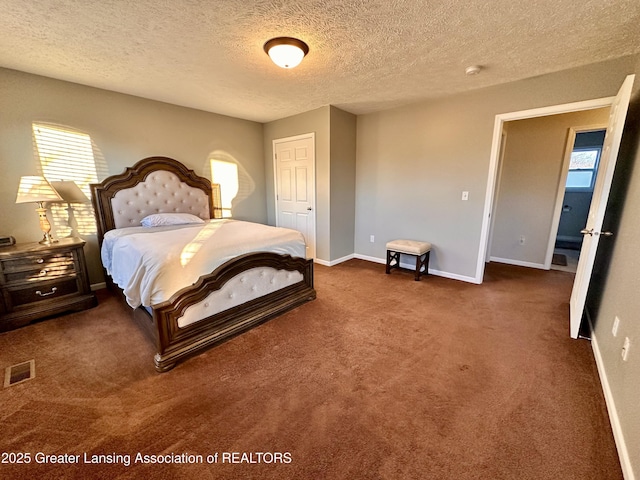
<point x="584" y="231"/>
<point x="309" y="208"/>
<point x="606" y="234"/>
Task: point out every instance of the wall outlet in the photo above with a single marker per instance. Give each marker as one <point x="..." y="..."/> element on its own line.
<point x="372" y="238"/>
<point x="616" y="324"/>
<point x="522" y="239"/>
<point x="465" y="196"/>
<point x="625" y="349"/>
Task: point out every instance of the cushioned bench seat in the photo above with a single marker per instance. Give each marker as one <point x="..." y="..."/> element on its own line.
<point x="420" y="250"/>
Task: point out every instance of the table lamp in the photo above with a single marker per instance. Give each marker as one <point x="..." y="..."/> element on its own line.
<point x="39" y="190"/>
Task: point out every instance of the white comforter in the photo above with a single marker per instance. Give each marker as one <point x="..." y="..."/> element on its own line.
<point x="151" y="264"/>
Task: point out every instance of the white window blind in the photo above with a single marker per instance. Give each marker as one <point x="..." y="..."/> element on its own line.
<point x="66" y="154"/>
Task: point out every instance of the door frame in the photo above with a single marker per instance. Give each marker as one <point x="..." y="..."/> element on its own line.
<point x="496" y="193"/>
<point x="495" y="157"/>
<point x="274" y="142"/>
<point x="562" y="186"/>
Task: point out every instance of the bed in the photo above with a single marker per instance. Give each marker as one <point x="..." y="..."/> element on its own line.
<point x="233" y="275"/>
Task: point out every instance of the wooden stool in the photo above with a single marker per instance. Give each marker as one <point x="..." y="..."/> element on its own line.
<point x="420" y="250"/>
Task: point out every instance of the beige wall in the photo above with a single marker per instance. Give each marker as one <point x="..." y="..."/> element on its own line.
<point x="414" y="162"/>
<point x="124" y="129"/>
<point x="343" y="183"/>
<point x="529" y="180"/>
<point x="614" y="286"/>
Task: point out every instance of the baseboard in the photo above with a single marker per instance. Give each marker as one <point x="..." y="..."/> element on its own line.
<point x="372" y="259"/>
<point x="567" y="238"/>
<point x="98" y="286"/>
<point x="333" y="262"/>
<point x="623" y="452"/>
<point x="412" y="266"/>
<point x="518" y="263"/>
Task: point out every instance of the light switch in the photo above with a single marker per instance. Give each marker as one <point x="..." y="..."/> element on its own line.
<point x="465" y="195"/>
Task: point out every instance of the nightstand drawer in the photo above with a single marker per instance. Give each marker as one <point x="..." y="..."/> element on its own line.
<point x="42" y="291"/>
<point x="51" y="271"/>
<point x="30" y="263"/>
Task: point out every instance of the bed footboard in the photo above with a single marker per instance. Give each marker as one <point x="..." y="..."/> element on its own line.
<point x="281" y="283"/>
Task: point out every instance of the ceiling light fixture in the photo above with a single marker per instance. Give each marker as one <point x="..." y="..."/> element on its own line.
<point x="286" y="52"/>
<point x="473" y="70"/>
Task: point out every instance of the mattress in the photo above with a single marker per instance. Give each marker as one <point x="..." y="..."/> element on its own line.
<point x="151" y="264"/>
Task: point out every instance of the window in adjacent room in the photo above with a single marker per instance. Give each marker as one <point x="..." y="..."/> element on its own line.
<point x="583" y="167"/>
<point x="66" y="156"/>
<point x="225" y="174"/>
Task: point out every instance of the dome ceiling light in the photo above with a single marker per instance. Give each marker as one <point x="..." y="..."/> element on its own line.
<point x="286" y="52"/>
<point x="473" y="70"/>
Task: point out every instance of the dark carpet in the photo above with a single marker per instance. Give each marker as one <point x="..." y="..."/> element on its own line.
<point x="380" y="377"/>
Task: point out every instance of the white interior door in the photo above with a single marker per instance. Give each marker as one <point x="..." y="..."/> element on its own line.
<point x="592" y="230"/>
<point x="295" y="186"/>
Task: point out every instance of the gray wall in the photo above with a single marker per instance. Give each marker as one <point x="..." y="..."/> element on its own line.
<point x="414" y="162"/>
<point x="124" y="129"/>
<point x="574" y="219"/>
<point x="316" y="121"/>
<point x="335" y="132"/>
<point x="529" y="182"/>
<point x="343" y="183"/>
<point x="614" y="286"/>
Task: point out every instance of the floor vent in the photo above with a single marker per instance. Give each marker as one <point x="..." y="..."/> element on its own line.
<point x="559" y="259"/>
<point x="19" y="373"/>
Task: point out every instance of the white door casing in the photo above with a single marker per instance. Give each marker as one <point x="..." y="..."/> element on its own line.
<point x="494" y="162"/>
<point x="598" y="206"/>
<point x="294" y="165"/>
<point x="496" y="192"/>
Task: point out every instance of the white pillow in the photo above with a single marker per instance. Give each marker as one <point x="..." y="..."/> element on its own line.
<point x="162" y="219"/>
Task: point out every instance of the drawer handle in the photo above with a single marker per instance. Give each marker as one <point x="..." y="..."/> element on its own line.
<point x="40" y="294"/>
<point x="40" y="260"/>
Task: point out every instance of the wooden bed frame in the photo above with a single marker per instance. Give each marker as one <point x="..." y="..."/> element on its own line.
<point x="173" y="342"/>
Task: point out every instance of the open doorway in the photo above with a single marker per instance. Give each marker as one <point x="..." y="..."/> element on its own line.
<point x="592" y="231"/>
<point x="533" y="172"/>
<point x="584" y="159"/>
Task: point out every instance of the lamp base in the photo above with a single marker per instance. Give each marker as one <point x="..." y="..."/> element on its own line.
<point x="48" y="239"/>
<point x="45" y="226"/>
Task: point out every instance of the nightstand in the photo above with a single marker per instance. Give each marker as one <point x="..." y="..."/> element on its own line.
<point x="38" y="281"/>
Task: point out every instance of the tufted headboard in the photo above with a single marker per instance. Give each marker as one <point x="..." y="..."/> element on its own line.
<point x="152" y="185"/>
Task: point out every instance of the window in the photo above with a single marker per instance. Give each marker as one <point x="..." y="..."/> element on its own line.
<point x="225" y="174"/>
<point x="67" y="155"/>
<point x="583" y="167"/>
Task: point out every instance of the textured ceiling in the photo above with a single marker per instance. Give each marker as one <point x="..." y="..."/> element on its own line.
<point x="365" y="55"/>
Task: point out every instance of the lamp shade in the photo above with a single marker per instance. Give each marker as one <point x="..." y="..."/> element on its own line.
<point x="36" y="189"/>
<point x="70" y="191"/>
<point x="286" y="52"/>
